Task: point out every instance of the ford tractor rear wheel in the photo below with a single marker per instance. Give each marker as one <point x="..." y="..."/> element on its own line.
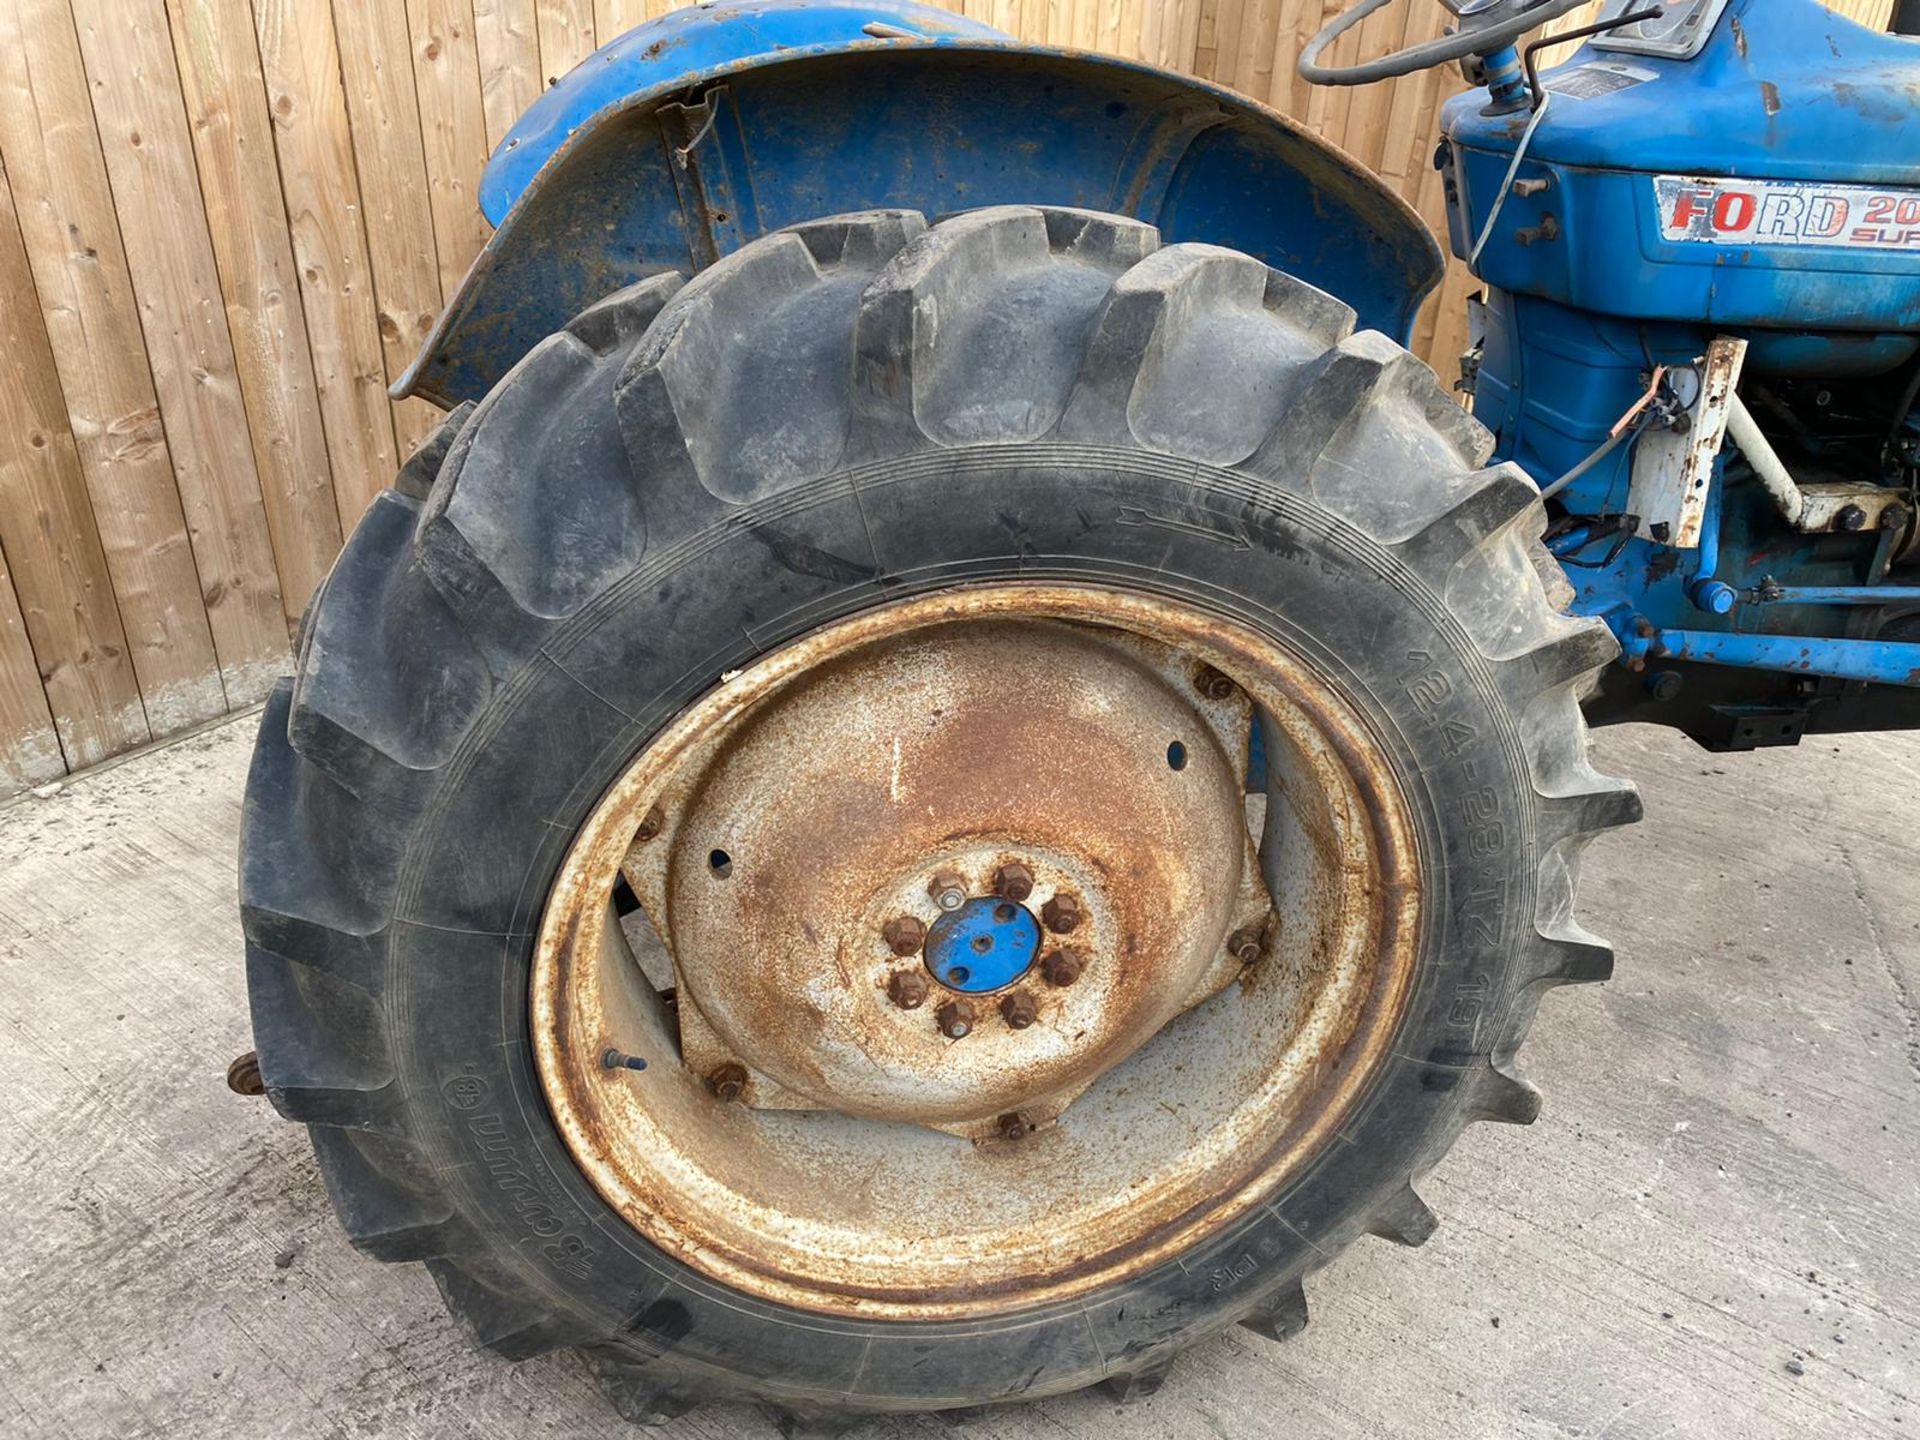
<point x="927" y="817"/>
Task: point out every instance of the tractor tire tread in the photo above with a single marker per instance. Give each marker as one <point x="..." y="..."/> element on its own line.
<point x="807" y="353"/>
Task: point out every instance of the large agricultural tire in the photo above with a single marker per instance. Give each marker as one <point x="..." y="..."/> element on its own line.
<point x="848" y="415"/>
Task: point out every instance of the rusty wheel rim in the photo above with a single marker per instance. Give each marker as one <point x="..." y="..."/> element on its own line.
<point x="786" y="1103"/>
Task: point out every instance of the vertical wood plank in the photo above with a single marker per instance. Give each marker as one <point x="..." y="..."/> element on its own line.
<point x="226" y="98"/>
<point x="29" y="749"/>
<point x="613" y="18"/>
<point x="66" y="215"/>
<point x="143" y="130"/>
<point x="566" y="35"/>
<point x="300" y="61"/>
<point x="60" y="578"/>
<point x="453" y="125"/>
<point x="506" y="37"/>
<point x="376" y="61"/>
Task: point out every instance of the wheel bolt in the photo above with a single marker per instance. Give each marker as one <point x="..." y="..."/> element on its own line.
<point x="904" y="934"/>
<point x="1244" y="944"/>
<point x="1061" y="913"/>
<point x="1063" y="966"/>
<point x="243" y="1076"/>
<point x="1019" y="1011"/>
<point x="1014" y="1125"/>
<point x="1013" y="882"/>
<point x="907" y="989"/>
<point x="728" y="1081"/>
<point x="1212" y="684"/>
<point x="949" y="891"/>
<point x="956" y="1019"/>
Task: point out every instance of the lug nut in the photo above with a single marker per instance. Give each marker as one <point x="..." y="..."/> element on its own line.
<point x="907" y="989"/>
<point x="949" y="891"/>
<point x="1013" y="882"/>
<point x="1212" y="684"/>
<point x="1244" y="944"/>
<point x="1063" y="966"/>
<point x="1061" y="913"/>
<point x="1850" y="517"/>
<point x="956" y="1019"/>
<point x="904" y="934"/>
<point x="728" y="1082"/>
<point x="1014" y="1125"/>
<point x="1019" y="1011"/>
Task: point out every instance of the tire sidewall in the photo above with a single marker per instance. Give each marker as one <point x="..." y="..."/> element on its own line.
<point x="491" y="834"/>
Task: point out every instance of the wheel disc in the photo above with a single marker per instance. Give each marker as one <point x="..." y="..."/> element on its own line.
<point x="980" y="993"/>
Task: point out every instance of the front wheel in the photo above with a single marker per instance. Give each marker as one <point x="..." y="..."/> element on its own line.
<point x="928" y="817"/>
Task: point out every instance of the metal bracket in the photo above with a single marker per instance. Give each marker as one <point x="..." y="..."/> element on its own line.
<point x="710" y="172"/>
<point x="1673" y="469"/>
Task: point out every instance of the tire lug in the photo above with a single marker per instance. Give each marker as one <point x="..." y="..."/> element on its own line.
<point x="907" y="989"/>
<point x="948" y="889"/>
<point x="728" y="1082"/>
<point x="904" y="934"/>
<point x="1019" y="1011"/>
<point x="1061" y="914"/>
<point x="1013" y="882"/>
<point x="956" y="1019"/>
<point x="1063" y="966"/>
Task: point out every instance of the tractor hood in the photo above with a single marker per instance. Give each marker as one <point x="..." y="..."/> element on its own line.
<point x="698" y="132"/>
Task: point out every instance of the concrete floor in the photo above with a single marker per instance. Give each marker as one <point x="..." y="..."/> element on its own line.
<point x="1710" y="1231"/>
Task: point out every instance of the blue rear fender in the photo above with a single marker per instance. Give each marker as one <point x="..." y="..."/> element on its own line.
<point x="696" y="133"/>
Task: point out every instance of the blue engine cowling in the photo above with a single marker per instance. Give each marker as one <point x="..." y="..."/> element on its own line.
<point x="1642" y="156"/>
<point x="1761" y="179"/>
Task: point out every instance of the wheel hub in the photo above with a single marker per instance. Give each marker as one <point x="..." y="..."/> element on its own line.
<point x="985" y="945"/>
<point x="976" y="863"/>
<point x="903" y="784"/>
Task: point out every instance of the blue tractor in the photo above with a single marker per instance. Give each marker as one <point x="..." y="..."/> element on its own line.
<point x="953" y="768"/>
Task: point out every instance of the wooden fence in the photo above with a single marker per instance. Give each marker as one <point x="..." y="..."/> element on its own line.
<point x="225" y="225"/>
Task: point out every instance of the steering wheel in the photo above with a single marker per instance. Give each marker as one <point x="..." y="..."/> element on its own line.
<point x="1485" y="25"/>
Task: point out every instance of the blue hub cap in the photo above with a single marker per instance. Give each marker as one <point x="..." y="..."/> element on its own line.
<point x="985" y="944"/>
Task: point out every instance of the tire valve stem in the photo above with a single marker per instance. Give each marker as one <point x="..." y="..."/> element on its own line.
<point x="612" y="1059"/>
